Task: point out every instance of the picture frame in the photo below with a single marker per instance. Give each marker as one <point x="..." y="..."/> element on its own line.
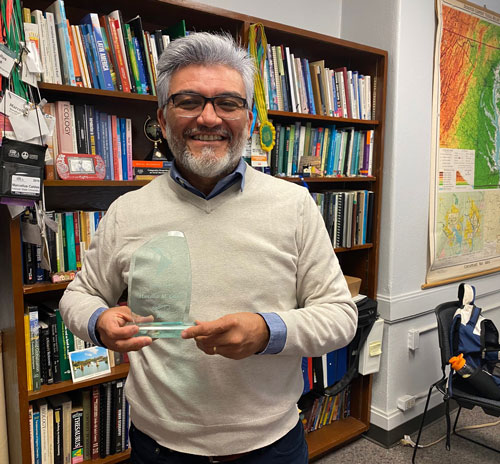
<point x="89" y="363"/>
<point x="80" y="166"/>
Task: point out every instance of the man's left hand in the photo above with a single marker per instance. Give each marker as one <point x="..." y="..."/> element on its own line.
<point x="235" y="336"/>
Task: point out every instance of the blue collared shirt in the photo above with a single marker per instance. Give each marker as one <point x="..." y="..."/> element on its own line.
<point x="277" y="328"/>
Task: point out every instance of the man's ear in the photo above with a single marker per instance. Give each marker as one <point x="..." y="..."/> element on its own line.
<point x="161" y="119"/>
<point x="249" y="125"/>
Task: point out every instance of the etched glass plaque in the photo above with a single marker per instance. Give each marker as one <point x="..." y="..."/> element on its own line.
<point x="159" y="286"/>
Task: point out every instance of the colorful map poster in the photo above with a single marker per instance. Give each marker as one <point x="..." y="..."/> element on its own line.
<point x="464" y="223"/>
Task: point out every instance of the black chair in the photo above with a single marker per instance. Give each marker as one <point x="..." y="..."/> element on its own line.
<point x="461" y="393"/>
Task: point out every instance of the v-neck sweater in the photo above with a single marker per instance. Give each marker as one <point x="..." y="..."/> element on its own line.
<point x="263" y="249"/>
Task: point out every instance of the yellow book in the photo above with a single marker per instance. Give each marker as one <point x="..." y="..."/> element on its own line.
<point x="27" y="342"/>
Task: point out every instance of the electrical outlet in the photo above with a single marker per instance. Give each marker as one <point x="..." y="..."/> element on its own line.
<point x="413" y="339"/>
<point x="406" y="402"/>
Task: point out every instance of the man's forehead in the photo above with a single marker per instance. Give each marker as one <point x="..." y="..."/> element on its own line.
<point x="212" y="74"/>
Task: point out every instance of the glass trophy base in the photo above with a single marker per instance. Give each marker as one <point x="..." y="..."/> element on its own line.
<point x="162" y="329"/>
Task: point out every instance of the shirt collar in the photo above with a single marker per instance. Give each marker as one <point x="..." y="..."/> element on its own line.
<point x="238" y="175"/>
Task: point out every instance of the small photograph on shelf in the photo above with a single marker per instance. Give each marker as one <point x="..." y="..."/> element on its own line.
<point x="89" y="363"/>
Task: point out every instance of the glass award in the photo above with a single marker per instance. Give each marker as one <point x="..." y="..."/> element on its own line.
<point x="159" y="286"/>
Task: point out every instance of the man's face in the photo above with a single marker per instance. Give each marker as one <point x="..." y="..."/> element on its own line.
<point x="207" y="145"/>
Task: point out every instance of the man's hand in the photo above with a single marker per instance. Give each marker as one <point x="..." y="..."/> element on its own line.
<point x="115" y="334"/>
<point x="234" y="336"/>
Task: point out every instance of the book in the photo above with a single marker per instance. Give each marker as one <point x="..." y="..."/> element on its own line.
<point x="141" y="54"/>
<point x="75" y="57"/>
<point x="27" y="343"/>
<point x="35" y="345"/>
<point x="62" y="405"/>
<point x="44" y="432"/>
<point x="116" y="20"/>
<point x="48" y="316"/>
<point x="86" y="401"/>
<point x="103" y="68"/>
<point x="64" y="127"/>
<point x="37" y="443"/>
<point x="68" y="73"/>
<point x="95" y="422"/>
<point x="70" y="241"/>
<point x="76" y="433"/>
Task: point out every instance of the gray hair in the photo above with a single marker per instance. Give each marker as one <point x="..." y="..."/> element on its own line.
<point x="203" y="48"/>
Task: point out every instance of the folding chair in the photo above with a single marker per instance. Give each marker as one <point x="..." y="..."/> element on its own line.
<point x="461" y="392"/>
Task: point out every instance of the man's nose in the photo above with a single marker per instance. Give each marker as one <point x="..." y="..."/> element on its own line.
<point x="208" y="116"/>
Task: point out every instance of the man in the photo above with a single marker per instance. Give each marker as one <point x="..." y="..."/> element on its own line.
<point x="267" y="288"/>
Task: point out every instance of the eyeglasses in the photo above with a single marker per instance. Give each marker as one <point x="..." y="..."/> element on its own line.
<point x="191" y="105"/>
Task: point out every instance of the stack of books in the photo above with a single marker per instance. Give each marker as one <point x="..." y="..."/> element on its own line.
<point x="296" y="85"/>
<point x="301" y="149"/>
<point x="84" y="129"/>
<point x="87" y="424"/>
<point x="102" y="52"/>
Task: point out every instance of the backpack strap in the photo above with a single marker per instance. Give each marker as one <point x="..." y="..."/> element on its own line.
<point x="466" y="294"/>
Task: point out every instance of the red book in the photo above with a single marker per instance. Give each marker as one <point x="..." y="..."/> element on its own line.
<point x="117" y="159"/>
<point x="114" y="31"/>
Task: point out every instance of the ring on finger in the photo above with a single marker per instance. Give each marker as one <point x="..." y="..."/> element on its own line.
<point x="215" y="349"/>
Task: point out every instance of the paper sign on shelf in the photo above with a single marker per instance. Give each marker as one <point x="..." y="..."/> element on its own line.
<point x="30" y="126"/>
<point x="7" y="60"/>
<point x="13" y="104"/>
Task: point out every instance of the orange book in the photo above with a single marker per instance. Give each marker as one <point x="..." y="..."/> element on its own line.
<point x="74" y="56"/>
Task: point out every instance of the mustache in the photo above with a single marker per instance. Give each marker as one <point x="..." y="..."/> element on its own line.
<point x="207" y="130"/>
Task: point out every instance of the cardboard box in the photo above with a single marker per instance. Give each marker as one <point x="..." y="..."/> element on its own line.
<point x="354" y="284"/>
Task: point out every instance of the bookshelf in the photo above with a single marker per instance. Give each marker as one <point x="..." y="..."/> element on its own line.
<point x="360" y="261"/>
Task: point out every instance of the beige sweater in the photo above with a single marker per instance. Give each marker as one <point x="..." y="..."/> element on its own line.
<point x="263" y="249"/>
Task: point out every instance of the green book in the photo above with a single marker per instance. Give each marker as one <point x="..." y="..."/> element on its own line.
<point x="133" y="62"/>
<point x="70" y="241"/>
<point x="66" y="343"/>
<point x="175" y="31"/>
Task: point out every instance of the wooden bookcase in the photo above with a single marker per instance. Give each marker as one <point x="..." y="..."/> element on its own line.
<point x="360" y="261"/>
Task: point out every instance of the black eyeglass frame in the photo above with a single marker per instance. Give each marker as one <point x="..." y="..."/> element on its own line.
<point x="208" y="100"/>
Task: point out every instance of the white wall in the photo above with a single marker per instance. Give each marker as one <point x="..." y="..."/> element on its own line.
<point x="405" y="28"/>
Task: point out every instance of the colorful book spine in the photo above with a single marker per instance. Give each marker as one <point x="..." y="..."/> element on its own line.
<point x="68" y="71"/>
<point x="92" y="20"/>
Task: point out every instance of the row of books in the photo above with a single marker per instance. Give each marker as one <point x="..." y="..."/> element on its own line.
<point x="348" y="216"/>
<point x="296" y="85"/>
<point x="84" y="129"/>
<point x="301" y="149"/>
<point x="326" y="409"/>
<point x="102" y="52"/>
<point x="48" y="344"/>
<point x="66" y="247"/>
<point x="91" y="423"/>
<point x="322" y="372"/>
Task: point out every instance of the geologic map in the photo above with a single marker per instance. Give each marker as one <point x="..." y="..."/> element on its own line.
<point x="465" y="200"/>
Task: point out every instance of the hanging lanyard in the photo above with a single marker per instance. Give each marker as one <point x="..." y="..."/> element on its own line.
<point x="258" y="46"/>
<point x="13" y="35"/>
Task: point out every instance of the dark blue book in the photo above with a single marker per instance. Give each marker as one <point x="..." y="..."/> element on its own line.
<point x="91" y="56"/>
<point x="106" y="146"/>
<point x="307" y="79"/>
<point x="37" y="442"/>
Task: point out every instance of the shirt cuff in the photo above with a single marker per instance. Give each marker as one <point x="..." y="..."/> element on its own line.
<point x="93" y="333"/>
<point x="277" y="333"/>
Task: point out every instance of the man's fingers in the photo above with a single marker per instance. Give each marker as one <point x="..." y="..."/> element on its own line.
<point x="133" y="344"/>
<point x="125" y="331"/>
<point x="206" y="329"/>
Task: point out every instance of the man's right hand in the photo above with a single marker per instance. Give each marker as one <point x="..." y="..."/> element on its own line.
<point x="114" y="332"/>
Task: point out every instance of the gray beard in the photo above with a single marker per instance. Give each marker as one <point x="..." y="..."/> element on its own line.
<point x="206" y="165"/>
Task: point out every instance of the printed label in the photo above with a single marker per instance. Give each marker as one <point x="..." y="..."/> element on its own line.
<point x="25" y="185"/>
